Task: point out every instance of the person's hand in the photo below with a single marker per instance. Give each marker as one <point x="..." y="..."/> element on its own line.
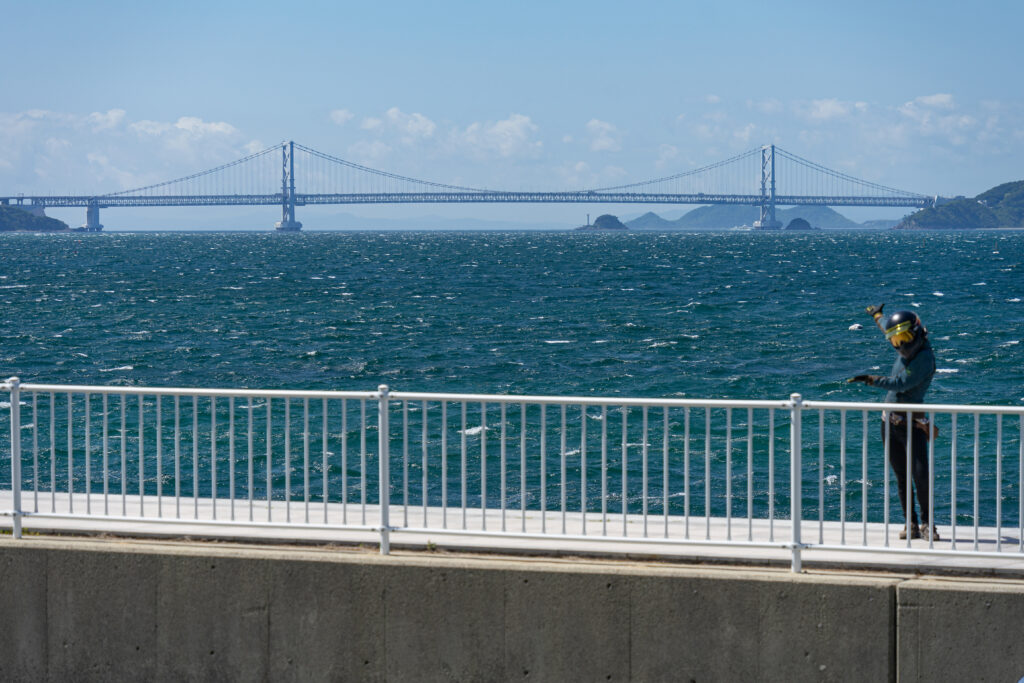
<point x="875" y="311"/>
<point x="867" y="379"/>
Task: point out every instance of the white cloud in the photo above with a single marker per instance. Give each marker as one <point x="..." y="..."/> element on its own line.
<point x="934" y="116"/>
<point x="509" y="137"/>
<point x="112" y="118"/>
<point x="46" y="151"/>
<point x="743" y="134"/>
<point x="825" y="110"/>
<point x="666" y="154"/>
<point x="604" y="137"/>
<point x="410" y="125"/>
<point x="938" y="100"/>
<point x="768" y="106"/>
<point x="369" y="150"/>
<point x="409" y="128"/>
<point x="188" y="126"/>
<point x="712" y="99"/>
<point x="341" y="116"/>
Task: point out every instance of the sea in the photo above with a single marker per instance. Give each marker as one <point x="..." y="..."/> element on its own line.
<point x="727" y="314"/>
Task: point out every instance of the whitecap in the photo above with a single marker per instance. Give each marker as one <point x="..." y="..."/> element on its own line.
<point x="1014" y="300"/>
<point x="980" y="284"/>
<point x="28" y="426"/>
<point x="855" y="326"/>
<point x="558" y="341"/>
<point x="831" y="479"/>
<point x="601" y="341"/>
<point x="947" y="371"/>
<point x="472" y="431"/>
<point x="118" y="369"/>
<point x="1010" y="343"/>
<point x="938" y="294"/>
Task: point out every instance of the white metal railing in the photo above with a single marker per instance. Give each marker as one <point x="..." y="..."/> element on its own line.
<point x="598" y="473"/>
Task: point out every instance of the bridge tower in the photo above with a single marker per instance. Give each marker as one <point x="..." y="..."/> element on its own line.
<point x="288" y="222"/>
<point x="768" y="220"/>
<point x="92" y="217"/>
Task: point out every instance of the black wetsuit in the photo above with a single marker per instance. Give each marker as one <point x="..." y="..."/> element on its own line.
<point x="907" y="383"/>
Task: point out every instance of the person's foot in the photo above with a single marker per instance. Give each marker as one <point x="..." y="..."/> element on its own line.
<point x="925" y="529"/>
<point x="915" y="532"/>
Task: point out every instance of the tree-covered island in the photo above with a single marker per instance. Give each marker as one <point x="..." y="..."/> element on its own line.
<point x="13" y="219"/>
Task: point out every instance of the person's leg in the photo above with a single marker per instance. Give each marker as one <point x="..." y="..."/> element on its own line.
<point x="898" y="462"/>
<point x="919" y="448"/>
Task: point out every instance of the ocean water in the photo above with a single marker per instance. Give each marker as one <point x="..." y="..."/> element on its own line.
<point x="698" y="315"/>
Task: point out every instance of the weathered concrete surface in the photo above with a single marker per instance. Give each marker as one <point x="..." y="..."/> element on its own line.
<point x="960" y="630"/>
<point x="81" y="609"/>
<point x="740" y="625"/>
<point x="325" y="624"/>
<point x="101" y="615"/>
<point x="24" y="641"/>
<point x="561" y="625"/>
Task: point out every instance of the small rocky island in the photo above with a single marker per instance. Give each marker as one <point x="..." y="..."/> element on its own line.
<point x="800" y="224"/>
<point x="604" y="222"/>
<point x="13" y="219"/>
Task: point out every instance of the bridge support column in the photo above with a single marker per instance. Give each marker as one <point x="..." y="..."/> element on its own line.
<point x="92" y="218"/>
<point x="288" y="222"/>
<point x="768" y="220"/>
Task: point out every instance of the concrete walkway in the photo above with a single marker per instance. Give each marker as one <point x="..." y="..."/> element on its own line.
<point x="716" y="539"/>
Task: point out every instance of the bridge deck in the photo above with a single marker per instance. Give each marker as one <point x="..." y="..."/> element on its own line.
<point x="758" y="542"/>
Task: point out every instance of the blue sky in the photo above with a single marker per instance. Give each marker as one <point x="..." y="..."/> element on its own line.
<point x="103" y="96"/>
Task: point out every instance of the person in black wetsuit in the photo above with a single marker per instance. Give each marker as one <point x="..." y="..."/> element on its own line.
<point x="907" y="383"/>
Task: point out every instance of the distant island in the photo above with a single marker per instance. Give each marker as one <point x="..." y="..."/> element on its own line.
<point x="800" y="224"/>
<point x="1000" y="207"/>
<point x="13" y="219"/>
<point x="605" y="222"/>
<point x="732" y="216"/>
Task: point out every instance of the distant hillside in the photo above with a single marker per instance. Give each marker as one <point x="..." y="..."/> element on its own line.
<point x="13" y="218"/>
<point x="718" y="217"/>
<point x="1000" y="207"/>
<point x="650" y="221"/>
<point x="880" y="224"/>
<point x="724" y="217"/>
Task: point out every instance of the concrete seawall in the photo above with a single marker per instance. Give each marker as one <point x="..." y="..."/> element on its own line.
<point x="82" y="609"/>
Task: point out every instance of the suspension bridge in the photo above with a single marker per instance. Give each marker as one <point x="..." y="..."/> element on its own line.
<point x="291" y="175"/>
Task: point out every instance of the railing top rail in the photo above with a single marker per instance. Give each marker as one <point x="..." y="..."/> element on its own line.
<point x="182" y="391"/>
<point x="761" y="404"/>
<point x="590" y="400"/>
<point x="939" y="408"/>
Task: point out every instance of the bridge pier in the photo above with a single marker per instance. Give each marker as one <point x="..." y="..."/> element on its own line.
<point x="288" y="222"/>
<point x="92" y="218"/>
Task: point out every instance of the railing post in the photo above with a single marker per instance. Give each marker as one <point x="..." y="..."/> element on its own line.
<point x="795" y="474"/>
<point x="384" y="476"/>
<point x="14" y="387"/>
